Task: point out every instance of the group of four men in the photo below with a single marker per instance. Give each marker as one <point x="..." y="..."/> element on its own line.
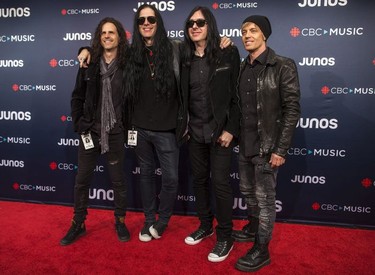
<point x="157" y="94"/>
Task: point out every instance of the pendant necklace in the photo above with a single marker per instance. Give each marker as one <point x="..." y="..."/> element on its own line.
<point x="150" y="64"/>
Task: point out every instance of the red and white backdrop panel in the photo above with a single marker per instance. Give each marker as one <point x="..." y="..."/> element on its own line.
<point x="330" y="170"/>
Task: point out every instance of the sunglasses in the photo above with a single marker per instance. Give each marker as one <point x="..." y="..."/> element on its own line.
<point x="150" y="19"/>
<point x="200" y="23"/>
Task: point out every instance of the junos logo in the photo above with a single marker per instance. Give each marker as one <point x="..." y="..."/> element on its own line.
<point x="317" y="61"/>
<point x="317" y="123"/>
<point x="15" y="12"/>
<point x="308" y="179"/>
<point x="240" y="203"/>
<point x="322" y="3"/>
<point x="160" y="5"/>
<point x="231" y="33"/>
<point x="68" y="142"/>
<point x="137" y="170"/>
<point x="12" y="163"/>
<point x="15" y="115"/>
<point x="69" y="36"/>
<point x="101" y="194"/>
<point x="11" y="63"/>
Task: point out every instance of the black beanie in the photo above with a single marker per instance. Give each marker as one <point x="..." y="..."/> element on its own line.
<point x="262" y="22"/>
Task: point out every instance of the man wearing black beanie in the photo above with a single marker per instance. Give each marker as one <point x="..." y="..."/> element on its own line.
<point x="269" y="92"/>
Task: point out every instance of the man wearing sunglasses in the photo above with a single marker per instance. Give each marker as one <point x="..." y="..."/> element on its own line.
<point x="211" y="116"/>
<point x="153" y="96"/>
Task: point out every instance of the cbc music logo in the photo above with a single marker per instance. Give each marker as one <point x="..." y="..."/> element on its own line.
<point x="63" y="63"/>
<point x="65" y="118"/>
<point x="304" y="152"/>
<point x="319" y="32"/>
<point x="318" y="123"/>
<point x="64" y="166"/>
<point x="160" y="6"/>
<point x="367" y="183"/>
<point x="15" y="12"/>
<point x="322" y="3"/>
<point x="33" y="88"/>
<point x="175" y="33"/>
<point x="15" y="140"/>
<point x="33" y="187"/>
<point x="240" y="203"/>
<point x="347" y="90"/>
<point x="341" y="208"/>
<point x="88" y="11"/>
<point x="17" y="38"/>
<point x="230" y="5"/>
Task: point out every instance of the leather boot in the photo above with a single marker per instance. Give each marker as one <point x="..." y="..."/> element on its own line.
<point x="76" y="230"/>
<point x="122" y="232"/>
<point x="256" y="258"/>
<point x="247" y="234"/>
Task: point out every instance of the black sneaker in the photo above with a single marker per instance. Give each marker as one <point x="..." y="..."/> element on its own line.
<point x="157" y="230"/>
<point x="75" y="231"/>
<point x="122" y="232"/>
<point x="145" y="235"/>
<point x="220" y="251"/>
<point x="198" y="235"/>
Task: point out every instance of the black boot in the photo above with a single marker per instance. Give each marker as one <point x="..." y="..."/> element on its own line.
<point x="76" y="230"/>
<point x="256" y="258"/>
<point x="122" y="232"/>
<point x="247" y="234"/>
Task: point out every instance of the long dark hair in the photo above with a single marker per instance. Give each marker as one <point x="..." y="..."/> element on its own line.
<point x="123" y="46"/>
<point x="212" y="50"/>
<point x="163" y="61"/>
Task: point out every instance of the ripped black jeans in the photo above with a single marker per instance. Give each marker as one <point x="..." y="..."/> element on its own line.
<point x="87" y="160"/>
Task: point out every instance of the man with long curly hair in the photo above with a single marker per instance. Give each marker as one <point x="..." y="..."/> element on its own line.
<point x="97" y="111"/>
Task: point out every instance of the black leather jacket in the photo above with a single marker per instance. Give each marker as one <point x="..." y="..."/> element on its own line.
<point x="278" y="108"/>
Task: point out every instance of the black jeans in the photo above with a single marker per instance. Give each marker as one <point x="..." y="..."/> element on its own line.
<point x="258" y="185"/>
<point x="214" y="159"/>
<point x="87" y="160"/>
<point x="165" y="146"/>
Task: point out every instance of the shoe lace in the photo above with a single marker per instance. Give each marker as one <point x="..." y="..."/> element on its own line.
<point x="219" y="247"/>
<point x="199" y="233"/>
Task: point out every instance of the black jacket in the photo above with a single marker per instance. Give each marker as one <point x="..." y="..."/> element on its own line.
<point x="278" y="108"/>
<point x="223" y="95"/>
<point x="85" y="98"/>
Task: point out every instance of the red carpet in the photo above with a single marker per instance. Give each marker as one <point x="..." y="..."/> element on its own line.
<point x="30" y="235"/>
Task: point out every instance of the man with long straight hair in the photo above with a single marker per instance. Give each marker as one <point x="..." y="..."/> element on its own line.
<point x="211" y="116"/>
